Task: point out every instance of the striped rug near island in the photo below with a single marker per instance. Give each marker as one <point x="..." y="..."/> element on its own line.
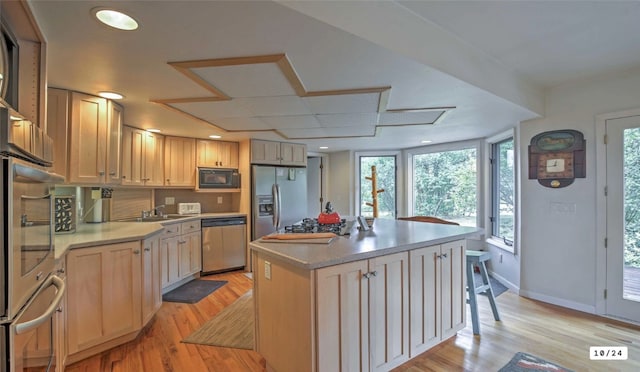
<point x="232" y="327"/>
<point x="523" y="362"/>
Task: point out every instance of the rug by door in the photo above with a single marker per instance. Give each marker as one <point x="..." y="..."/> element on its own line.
<point x="193" y="291"/>
<point x="497" y="287"/>
<point x="523" y="362"/>
<point x="232" y="327"/>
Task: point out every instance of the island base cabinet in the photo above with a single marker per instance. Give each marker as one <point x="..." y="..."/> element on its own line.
<point x="437" y="283"/>
<point x="284" y="306"/>
<point x="104" y="296"/>
<point x="362" y="314"/>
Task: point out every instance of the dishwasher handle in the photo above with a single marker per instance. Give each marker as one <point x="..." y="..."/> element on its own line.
<point x="229" y="221"/>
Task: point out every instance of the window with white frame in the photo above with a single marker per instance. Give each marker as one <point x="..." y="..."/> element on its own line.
<point x="503" y="191"/>
<point x="386" y="169"/>
<point x="445" y="183"/>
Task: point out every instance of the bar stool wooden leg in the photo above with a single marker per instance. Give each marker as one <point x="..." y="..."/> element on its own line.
<point x="473" y="301"/>
<point x="489" y="290"/>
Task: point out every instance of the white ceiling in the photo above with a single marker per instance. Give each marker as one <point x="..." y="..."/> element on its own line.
<point x="490" y="61"/>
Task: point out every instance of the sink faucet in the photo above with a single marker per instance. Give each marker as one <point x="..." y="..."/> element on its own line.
<point x="159" y="210"/>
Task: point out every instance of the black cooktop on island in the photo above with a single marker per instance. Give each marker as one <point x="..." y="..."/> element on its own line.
<point x="311" y="225"/>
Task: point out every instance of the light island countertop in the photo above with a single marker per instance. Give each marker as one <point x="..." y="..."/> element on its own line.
<point x="95" y="234"/>
<point x="386" y="237"/>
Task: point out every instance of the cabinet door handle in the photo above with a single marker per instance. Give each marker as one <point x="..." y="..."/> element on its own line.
<point x="444" y="255"/>
<point x="366" y="275"/>
<point x="101" y="173"/>
<point x="112" y="173"/>
<point x="147" y="249"/>
<point x="137" y="251"/>
<point x="374" y="273"/>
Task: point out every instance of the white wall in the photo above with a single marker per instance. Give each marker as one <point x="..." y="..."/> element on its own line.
<point x="340" y="182"/>
<point x="558" y="248"/>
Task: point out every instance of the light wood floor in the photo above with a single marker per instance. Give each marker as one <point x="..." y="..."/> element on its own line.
<point x="554" y="333"/>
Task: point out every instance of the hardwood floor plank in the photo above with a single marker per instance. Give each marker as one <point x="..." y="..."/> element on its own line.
<point x="554" y="333"/>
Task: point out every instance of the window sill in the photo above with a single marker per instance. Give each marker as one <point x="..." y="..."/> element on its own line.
<point x="498" y="243"/>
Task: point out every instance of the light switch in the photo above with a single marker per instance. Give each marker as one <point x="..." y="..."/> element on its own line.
<point x="169" y="200"/>
<point x="267" y="270"/>
<point x="219" y="199"/>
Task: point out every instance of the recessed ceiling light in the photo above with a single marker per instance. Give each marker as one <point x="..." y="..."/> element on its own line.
<point x="111" y="95"/>
<point x="115" y="19"/>
<point x="153" y="130"/>
<point x="323" y="147"/>
<point x="215" y="136"/>
<point x="426" y="141"/>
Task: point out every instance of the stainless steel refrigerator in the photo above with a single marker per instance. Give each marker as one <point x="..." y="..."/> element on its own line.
<point x="279" y="198"/>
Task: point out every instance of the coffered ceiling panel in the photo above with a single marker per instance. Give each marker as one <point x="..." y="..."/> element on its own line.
<point x="247" y="80"/>
<point x="335" y="132"/>
<point x="292" y="122"/>
<point x="274" y="106"/>
<point x="348" y="120"/>
<point x="404" y="118"/>
<point x="214" y="110"/>
<point x="241" y="124"/>
<point x="343" y="103"/>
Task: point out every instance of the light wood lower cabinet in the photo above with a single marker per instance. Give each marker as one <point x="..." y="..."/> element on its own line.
<point x="368" y="315"/>
<point x="104" y="294"/>
<point x="151" y="278"/>
<point x="181" y="252"/>
<point x="437" y="283"/>
<point x="113" y="291"/>
<point x="362" y="310"/>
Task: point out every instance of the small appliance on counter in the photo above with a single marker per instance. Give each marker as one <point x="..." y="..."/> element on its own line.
<point x="328" y="216"/>
<point x="97" y="204"/>
<point x="188" y="208"/>
<point x="65" y="214"/>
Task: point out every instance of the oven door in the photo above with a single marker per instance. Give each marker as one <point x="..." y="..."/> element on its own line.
<point x="31" y="338"/>
<point x="28" y="223"/>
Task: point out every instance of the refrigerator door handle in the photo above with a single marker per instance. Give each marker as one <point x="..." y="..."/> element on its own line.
<point x="277" y="206"/>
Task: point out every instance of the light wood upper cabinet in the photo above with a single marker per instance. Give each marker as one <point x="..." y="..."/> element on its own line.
<point x="89" y="139"/>
<point x="278" y="153"/>
<point x="115" y="118"/>
<point x="57" y="128"/>
<point x="180" y="161"/>
<point x="86" y="133"/>
<point x="142" y="157"/>
<point x="217" y="154"/>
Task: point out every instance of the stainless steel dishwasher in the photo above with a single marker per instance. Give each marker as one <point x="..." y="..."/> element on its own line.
<point x="224" y="244"/>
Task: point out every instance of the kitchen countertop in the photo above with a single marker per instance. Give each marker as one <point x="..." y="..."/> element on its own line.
<point x="386" y="237"/>
<point x="94" y="234"/>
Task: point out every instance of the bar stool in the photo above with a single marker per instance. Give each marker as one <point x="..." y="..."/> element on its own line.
<point x="479" y="258"/>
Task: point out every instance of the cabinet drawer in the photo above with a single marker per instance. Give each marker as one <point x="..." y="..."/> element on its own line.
<point x="190" y="226"/>
<point x="171" y="230"/>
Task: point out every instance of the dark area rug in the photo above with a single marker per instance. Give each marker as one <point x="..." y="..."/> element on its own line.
<point x="523" y="362"/>
<point x="497" y="287"/>
<point x="193" y="291"/>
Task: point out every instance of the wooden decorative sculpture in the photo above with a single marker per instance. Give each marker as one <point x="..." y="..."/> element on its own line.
<point x="374" y="191"/>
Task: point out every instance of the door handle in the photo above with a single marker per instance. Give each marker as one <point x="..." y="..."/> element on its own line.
<point x="31" y="324"/>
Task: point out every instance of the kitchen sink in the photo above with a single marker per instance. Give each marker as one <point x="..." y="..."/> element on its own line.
<point x="151" y="218"/>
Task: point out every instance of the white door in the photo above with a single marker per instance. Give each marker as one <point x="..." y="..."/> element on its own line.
<point x="623" y="218"/>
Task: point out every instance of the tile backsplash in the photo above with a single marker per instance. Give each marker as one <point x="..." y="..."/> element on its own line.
<point x="210" y="202"/>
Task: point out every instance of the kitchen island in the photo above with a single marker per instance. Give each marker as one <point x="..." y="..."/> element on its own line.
<point x="367" y="301"/>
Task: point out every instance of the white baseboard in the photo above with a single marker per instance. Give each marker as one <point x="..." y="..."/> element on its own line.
<point x="504" y="282"/>
<point x="559" y="301"/>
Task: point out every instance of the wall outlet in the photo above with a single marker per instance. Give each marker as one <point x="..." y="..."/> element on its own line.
<point x="267" y="270"/>
<point x="219" y="199"/>
<point x="169" y="200"/>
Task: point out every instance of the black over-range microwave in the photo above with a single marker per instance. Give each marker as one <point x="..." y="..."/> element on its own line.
<point x="216" y="178"/>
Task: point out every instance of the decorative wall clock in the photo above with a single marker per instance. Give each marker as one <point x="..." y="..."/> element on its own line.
<point x="557" y="157"/>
